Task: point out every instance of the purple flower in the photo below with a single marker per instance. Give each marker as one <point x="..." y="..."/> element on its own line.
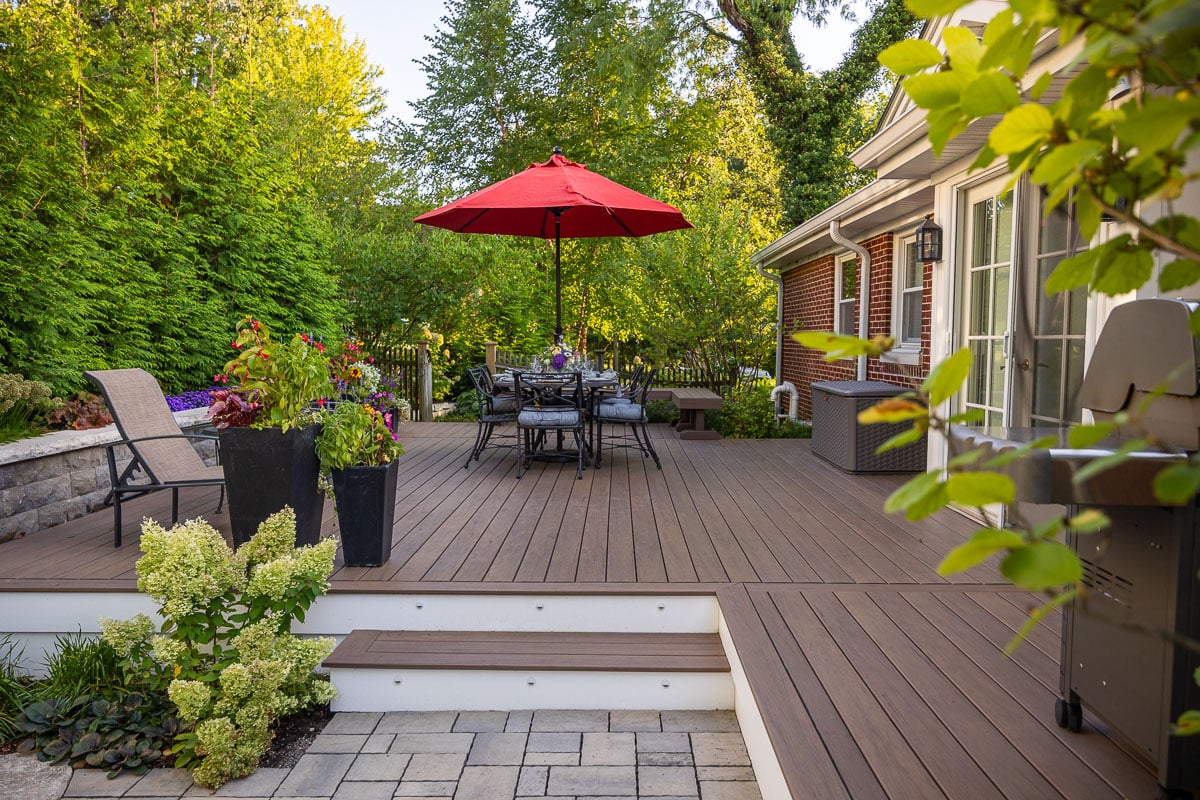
<point x="558" y="360"/>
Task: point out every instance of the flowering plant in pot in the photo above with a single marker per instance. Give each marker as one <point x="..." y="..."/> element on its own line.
<point x="268" y="419"/>
<point x="358" y="450"/>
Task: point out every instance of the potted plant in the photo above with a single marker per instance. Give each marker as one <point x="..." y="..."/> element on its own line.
<point x="358" y="451"/>
<point x="268" y="422"/>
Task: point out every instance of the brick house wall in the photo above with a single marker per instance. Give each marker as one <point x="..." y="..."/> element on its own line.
<point x="808" y="305"/>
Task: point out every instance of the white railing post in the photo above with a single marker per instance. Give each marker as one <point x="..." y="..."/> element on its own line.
<point x="425" y="381"/>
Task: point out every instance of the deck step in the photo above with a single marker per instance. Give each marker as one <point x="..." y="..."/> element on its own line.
<point x="377" y="670"/>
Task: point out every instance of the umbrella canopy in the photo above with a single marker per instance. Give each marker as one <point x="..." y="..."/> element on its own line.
<point x="556" y="199"/>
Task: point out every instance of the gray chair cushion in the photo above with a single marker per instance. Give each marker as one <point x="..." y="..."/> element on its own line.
<point x="624" y="412"/>
<point x="503" y="403"/>
<point x="616" y="401"/>
<point x="568" y="418"/>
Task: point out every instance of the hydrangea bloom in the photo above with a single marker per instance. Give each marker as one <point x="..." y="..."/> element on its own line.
<point x="126" y="634"/>
<point x="191" y="698"/>
<point x="185" y="567"/>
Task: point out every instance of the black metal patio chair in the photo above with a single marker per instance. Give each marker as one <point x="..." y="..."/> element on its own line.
<point x="629" y="412"/>
<point x="161" y="452"/>
<point x="494" y="409"/>
<point x="550" y="404"/>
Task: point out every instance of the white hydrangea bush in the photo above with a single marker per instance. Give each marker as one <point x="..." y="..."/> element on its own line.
<point x="231" y="664"/>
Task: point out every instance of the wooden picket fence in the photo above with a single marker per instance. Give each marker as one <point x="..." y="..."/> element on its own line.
<point x="401" y="365"/>
<point x="705" y="376"/>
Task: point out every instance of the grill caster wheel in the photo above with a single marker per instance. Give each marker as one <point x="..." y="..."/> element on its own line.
<point x="1068" y="715"/>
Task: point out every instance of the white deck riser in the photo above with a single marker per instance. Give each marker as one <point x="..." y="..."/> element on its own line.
<point x="514" y="690"/>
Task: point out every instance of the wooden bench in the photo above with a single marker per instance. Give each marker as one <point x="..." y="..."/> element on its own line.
<point x="692" y="403"/>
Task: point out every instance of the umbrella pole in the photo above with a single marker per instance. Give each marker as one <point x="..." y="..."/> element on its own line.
<point x="558" y="330"/>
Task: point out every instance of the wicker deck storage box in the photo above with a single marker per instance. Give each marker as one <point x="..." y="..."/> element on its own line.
<point x="839" y="439"/>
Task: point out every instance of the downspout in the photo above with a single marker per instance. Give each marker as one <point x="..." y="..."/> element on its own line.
<point x="778" y="279"/>
<point x="864" y="294"/>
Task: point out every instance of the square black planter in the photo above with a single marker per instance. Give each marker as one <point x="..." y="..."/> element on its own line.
<point x="366" y="509"/>
<point x="266" y="469"/>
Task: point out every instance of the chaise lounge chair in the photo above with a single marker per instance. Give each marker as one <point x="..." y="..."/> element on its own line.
<point x="161" y="451"/>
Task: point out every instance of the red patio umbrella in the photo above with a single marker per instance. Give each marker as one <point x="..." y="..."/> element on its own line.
<point x="557" y="198"/>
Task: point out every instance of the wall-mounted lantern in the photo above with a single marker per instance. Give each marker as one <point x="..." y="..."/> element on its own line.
<point x="929" y="240"/>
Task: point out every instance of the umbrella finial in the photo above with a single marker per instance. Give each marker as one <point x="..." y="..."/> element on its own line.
<point x="557" y="150"/>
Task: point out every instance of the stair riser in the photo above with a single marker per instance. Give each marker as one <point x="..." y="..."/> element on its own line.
<point x="513" y="690"/>
<point x="338" y="614"/>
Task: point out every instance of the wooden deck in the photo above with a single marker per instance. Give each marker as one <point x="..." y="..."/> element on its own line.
<point x="877" y="677"/>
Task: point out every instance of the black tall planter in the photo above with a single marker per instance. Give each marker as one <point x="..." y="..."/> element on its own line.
<point x="366" y="509"/>
<point x="266" y="470"/>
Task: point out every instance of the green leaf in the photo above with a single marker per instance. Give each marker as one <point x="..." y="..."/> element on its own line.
<point x="1025" y="126"/>
<point x="1177" y="483"/>
<point x="1194" y="323"/>
<point x="928" y="9"/>
<point x="1089" y="521"/>
<point x="1041" y="85"/>
<point x="913" y="492"/>
<point x="944" y="380"/>
<point x="934" y="90"/>
<point x="1060" y="161"/>
<point x="982" y="544"/>
<point x="1179" y="274"/>
<point x="963" y="48"/>
<point x="1188" y="724"/>
<point x="834" y="345"/>
<point x="1036" y="616"/>
<point x="1073" y="272"/>
<point x="980" y="488"/>
<point x="1000" y="24"/>
<point x="910" y="56"/>
<point x="903" y="439"/>
<point x="1157" y="124"/>
<point x="1042" y="565"/>
<point x="1009" y="455"/>
<point x="965" y="459"/>
<point x="990" y="93"/>
<point x="1096" y="466"/>
<point x="1084" y="436"/>
<point x="1125" y="270"/>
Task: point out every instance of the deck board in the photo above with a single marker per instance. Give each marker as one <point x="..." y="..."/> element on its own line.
<point x="875" y="676"/>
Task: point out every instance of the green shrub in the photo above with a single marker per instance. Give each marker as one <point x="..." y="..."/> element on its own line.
<point x="661" y="411"/>
<point x="466" y="408"/>
<point x="15" y="689"/>
<point x="234" y="667"/>
<point x="79" y="666"/>
<point x="22" y="404"/>
<point x="749" y="413"/>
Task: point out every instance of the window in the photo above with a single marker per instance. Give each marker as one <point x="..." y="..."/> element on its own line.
<point x="844" y="291"/>
<point x="908" y="294"/>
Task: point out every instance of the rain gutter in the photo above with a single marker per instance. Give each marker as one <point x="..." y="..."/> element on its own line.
<point x="778" y="279"/>
<point x="864" y="283"/>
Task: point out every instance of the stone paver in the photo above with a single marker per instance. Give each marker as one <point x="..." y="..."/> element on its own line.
<point x="532" y="781"/>
<point x="719" y="750"/>
<point x="481" y="721"/>
<point x="667" y="781"/>
<point x="497" y="749"/>
<point x="608" y="749"/>
<point x="487" y="783"/>
<point x="316" y="775"/>
<point x="162" y="783"/>
<point x="634" y="721"/>
<point x="431" y="742"/>
<point x="417" y="722"/>
<point x="434" y="767"/>
<point x="353" y="722"/>
<point x="365" y="790"/>
<point x="378" y="767"/>
<point x="592" y="781"/>
<point x="700" y="721"/>
<point x="473" y="755"/>
<point x="26" y="777"/>
<point x="570" y="721"/>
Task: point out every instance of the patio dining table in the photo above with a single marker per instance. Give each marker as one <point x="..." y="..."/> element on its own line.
<point x="593" y="383"/>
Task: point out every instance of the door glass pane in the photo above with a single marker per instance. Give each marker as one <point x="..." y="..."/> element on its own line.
<point x="1052" y="230"/>
<point x="1004" y="229"/>
<point x="996" y="396"/>
<point x="1000" y="301"/>
<point x="1047" y="377"/>
<point x="981" y="236"/>
<point x="1074" y="379"/>
<point x="980" y="303"/>
<point x="977" y="383"/>
<point x="1077" y="321"/>
<point x="1050" y="308"/>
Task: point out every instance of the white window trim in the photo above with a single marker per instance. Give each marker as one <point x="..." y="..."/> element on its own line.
<point x="903" y="352"/>
<point x="839" y="266"/>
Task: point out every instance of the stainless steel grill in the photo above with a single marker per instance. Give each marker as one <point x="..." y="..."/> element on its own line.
<point x="1143" y="572"/>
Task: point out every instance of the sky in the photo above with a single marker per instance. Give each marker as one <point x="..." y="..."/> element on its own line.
<point x="394" y="32"/>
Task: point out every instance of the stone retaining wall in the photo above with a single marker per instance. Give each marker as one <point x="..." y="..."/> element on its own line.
<point x="60" y="476"/>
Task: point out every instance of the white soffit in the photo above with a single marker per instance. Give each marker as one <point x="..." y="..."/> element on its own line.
<point x="871" y="208"/>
